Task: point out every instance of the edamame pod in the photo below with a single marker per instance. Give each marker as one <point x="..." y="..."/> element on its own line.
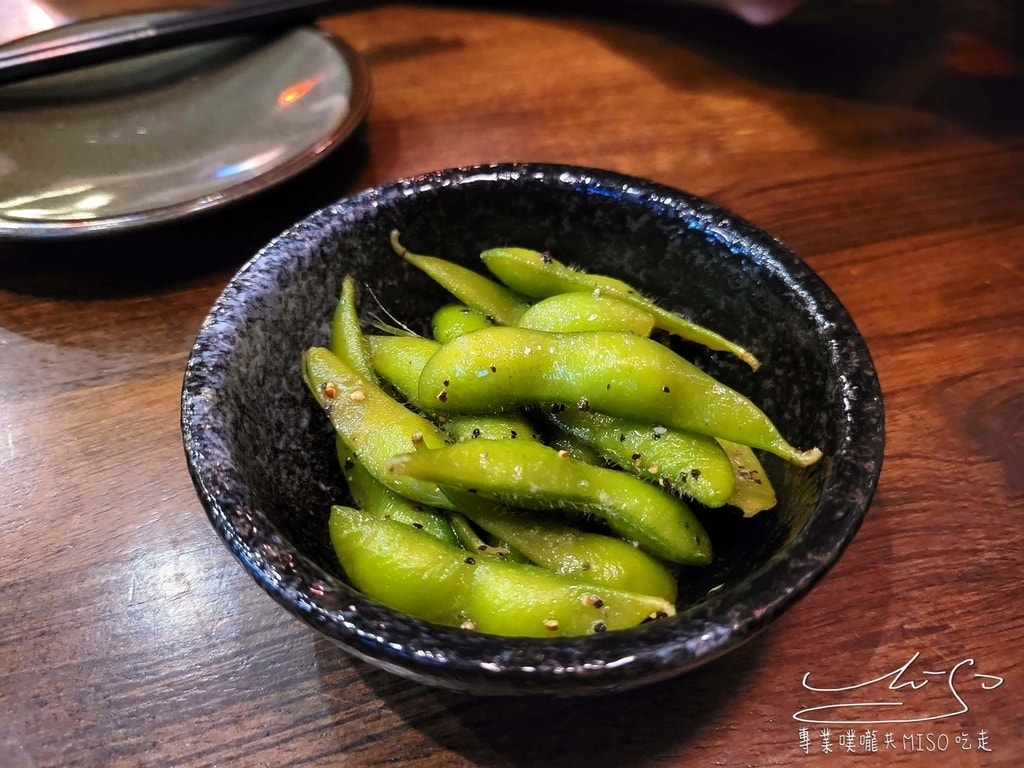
<point x="373" y="425"/>
<point x="752" y="490"/>
<point x="370" y="495"/>
<point x="503" y="426"/>
<point x="471" y="541"/>
<point x="619" y="374"/>
<point x="534" y="476"/>
<point x="453" y="320"/>
<point x="347" y="340"/>
<point x="486" y="296"/>
<point x="579" y="311"/>
<point x="591" y="557"/>
<point x="349" y="344"/>
<point x="693" y="465"/>
<point x="538" y="275"/>
<point x="412" y="572"/>
<point x="398" y="360"/>
<point x="563" y="441"/>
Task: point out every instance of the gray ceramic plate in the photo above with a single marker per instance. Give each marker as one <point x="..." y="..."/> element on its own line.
<point x="170" y="134"/>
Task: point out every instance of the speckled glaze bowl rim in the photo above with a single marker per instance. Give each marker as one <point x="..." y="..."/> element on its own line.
<point x="455" y="659"/>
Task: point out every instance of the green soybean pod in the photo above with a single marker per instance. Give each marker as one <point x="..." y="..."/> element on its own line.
<point x="371" y="495"/>
<point x="347" y="340"/>
<point x="349" y="344"/>
<point x="752" y="491"/>
<point x="373" y="425"/>
<point x="593" y="557"/>
<point x="471" y="540"/>
<point x="693" y="465"/>
<point x="510" y="425"/>
<point x="580" y="311"/>
<point x="473" y="289"/>
<point x="563" y="441"/>
<point x="398" y="360"/>
<point x="451" y="320"/>
<point x="620" y="374"/>
<point x="533" y="476"/>
<point x="417" y="574"/>
<point x="539" y="275"/>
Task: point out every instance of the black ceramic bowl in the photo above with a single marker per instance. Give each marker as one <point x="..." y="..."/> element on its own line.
<point x="261" y="453"/>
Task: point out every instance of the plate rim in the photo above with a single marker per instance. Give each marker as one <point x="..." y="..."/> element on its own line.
<point x="12" y="230"/>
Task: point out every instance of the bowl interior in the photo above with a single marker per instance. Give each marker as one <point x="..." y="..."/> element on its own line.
<point x="261" y="451"/>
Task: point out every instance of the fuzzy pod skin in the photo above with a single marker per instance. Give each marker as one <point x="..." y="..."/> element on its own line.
<point x="593" y="557"/>
<point x="453" y="320"/>
<point x="347" y="340"/>
<point x="563" y="441"/>
<point x="470" y="540"/>
<point x="619" y="374"/>
<point x="372" y="424"/>
<point x="488" y="297"/>
<point x="417" y="574"/>
<point x="502" y="426"/>
<point x="538" y="275"/>
<point x="752" y="490"/>
<point x="533" y="476"/>
<point x="350" y="346"/>
<point x="579" y="311"/>
<point x="399" y="360"/>
<point x="695" y="466"/>
<point x="372" y="496"/>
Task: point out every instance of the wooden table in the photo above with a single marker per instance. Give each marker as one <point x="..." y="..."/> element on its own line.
<point x="889" y="155"/>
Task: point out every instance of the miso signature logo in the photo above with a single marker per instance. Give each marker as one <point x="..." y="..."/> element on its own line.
<point x="912" y="694"/>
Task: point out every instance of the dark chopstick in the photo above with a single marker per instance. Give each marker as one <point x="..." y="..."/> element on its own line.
<point x="67" y="49"/>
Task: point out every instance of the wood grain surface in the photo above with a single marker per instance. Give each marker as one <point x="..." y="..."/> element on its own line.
<point x="884" y="144"/>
